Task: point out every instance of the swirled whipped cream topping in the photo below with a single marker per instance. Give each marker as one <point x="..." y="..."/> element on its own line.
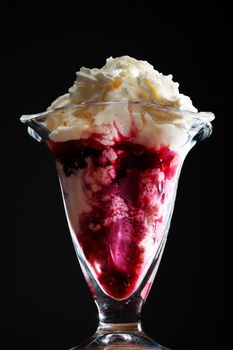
<point x="122" y="79"/>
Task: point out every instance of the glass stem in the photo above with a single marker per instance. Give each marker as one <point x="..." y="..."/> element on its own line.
<point x="113" y="311"/>
<point x="106" y="328"/>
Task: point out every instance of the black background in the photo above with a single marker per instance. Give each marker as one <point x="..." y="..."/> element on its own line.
<point x="46" y="303"/>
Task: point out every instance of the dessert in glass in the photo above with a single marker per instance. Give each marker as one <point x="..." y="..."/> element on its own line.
<point x="119" y="139"/>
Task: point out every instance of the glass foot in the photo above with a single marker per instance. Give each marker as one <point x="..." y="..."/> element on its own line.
<point x="119" y="339"/>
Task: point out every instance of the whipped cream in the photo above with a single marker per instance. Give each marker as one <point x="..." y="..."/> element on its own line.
<point x="122" y="79"/>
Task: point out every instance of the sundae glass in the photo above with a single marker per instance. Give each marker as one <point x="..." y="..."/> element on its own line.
<point x="118" y="163"/>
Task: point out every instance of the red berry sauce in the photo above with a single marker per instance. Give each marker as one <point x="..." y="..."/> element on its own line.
<point x="126" y="188"/>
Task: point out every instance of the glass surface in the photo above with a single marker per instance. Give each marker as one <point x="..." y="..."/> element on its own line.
<point x="119" y="198"/>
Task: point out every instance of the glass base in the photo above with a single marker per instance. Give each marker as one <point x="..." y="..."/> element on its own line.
<point x="131" y="337"/>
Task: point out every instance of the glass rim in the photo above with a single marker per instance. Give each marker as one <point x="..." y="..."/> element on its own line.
<point x="200" y="116"/>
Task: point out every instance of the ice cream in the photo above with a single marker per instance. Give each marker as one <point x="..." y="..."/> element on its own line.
<point x="119" y="140"/>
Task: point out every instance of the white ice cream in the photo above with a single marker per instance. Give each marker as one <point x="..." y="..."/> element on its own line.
<point x="122" y="79"/>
